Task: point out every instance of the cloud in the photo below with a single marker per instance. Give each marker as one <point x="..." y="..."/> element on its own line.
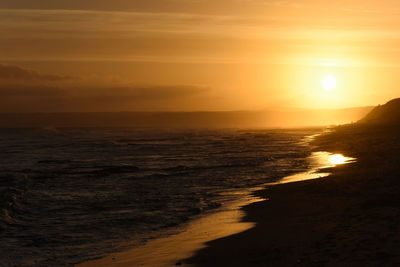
<point x="118" y="24"/>
<point x="141" y="5"/>
<point x="141" y="93"/>
<point x="16" y="73"/>
<point x="183" y="36"/>
<point x="161" y="92"/>
<point x="23" y="90"/>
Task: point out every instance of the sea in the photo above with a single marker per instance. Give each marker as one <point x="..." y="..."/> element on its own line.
<point x="70" y="195"/>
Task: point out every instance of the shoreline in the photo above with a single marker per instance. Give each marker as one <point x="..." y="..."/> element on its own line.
<point x="170" y="250"/>
<point x="349" y="219"/>
<point x="229" y="220"/>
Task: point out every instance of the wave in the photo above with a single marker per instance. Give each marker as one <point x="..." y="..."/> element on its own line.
<point x="70" y="196"/>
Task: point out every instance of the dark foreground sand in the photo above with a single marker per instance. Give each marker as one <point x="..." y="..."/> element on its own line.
<point x="350" y="218"/>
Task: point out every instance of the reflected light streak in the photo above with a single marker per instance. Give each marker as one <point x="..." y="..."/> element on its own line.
<point x="318" y="161"/>
<point x="337" y="159"/>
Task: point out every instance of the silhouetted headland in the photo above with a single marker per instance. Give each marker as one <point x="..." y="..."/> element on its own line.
<point x="388" y="114"/>
<point x="350" y="218"/>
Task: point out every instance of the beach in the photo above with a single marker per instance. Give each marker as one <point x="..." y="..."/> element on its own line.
<point x="317" y="213"/>
<point x="238" y="219"/>
<point x="350" y="218"/>
<point x="170" y="250"/>
<point x="347" y="218"/>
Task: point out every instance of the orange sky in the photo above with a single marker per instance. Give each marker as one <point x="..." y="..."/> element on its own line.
<point x="184" y="55"/>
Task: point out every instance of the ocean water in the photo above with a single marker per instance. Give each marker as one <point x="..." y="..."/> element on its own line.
<point x="70" y="195"/>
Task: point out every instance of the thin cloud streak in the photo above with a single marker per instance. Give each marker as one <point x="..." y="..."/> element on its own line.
<point x="16" y="73"/>
<point x="69" y="23"/>
<point x="116" y="35"/>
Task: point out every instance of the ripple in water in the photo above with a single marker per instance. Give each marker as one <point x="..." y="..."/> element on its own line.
<point x="71" y="195"/>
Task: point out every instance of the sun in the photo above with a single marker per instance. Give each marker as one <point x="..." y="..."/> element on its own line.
<point x="329" y="82"/>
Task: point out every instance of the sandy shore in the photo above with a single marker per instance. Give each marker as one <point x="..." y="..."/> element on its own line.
<point x="171" y="249"/>
<point x="350" y="218"/>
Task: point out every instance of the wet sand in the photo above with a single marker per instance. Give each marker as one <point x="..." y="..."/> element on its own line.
<point x="350" y="218"/>
<point x="172" y="249"/>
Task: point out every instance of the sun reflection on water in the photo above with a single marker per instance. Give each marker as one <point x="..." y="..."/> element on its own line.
<point x="326" y="160"/>
<point x="337" y="159"/>
<point x="318" y="162"/>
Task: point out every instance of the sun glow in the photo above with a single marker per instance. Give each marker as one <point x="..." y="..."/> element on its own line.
<point x="329" y="83"/>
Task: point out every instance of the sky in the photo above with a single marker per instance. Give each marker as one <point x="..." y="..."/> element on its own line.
<point x="193" y="55"/>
